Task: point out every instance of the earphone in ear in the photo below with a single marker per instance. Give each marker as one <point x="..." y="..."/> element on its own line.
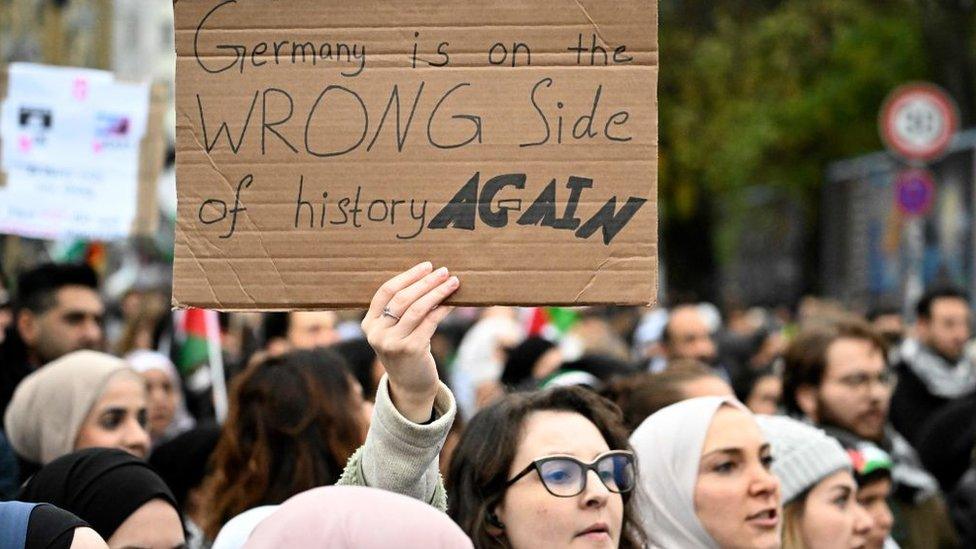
<point x="492" y="519"/>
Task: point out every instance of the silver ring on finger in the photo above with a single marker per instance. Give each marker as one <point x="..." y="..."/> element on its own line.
<point x="389" y="313"/>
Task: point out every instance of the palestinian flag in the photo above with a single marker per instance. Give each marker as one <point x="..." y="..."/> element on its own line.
<point x="92" y="253"/>
<point x="191" y="335"/>
<point x="199" y="355"/>
<point x="550" y="322"/>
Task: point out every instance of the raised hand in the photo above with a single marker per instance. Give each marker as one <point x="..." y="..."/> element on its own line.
<point x="402" y="318"/>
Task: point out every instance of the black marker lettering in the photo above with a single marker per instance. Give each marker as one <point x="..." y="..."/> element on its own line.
<point x="245" y="182"/>
<point x="269" y="126"/>
<point x="420" y="216"/>
<point x="610" y="222"/>
<point x="620" y="57"/>
<point x="543" y="210"/>
<point x="238" y="50"/>
<point x="213" y="203"/>
<point x="476" y="120"/>
<point x="224" y="129"/>
<point x="623" y="115"/>
<point x="260" y="49"/>
<point x="361" y="57"/>
<point x="356" y="209"/>
<point x="343" y="202"/>
<point x="401" y="138"/>
<point x="299" y="204"/>
<point x="528" y="53"/>
<point x="588" y="131"/>
<point x="369" y="211"/>
<point x="593" y="51"/>
<point x="311" y="113"/>
<point x="460" y="211"/>
<point x="325" y="205"/>
<point x="277" y="48"/>
<point x="499" y="217"/>
<point x="443" y="53"/>
<point x="575" y="185"/>
<point x="491" y="54"/>
<point x="393" y="204"/>
<point x="413" y="58"/>
<point x="578" y="48"/>
<point x="548" y="82"/>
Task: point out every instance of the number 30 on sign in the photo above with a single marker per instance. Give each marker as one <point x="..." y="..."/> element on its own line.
<point x="918" y="121"/>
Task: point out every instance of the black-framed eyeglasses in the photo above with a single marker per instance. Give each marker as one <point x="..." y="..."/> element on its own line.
<point x="565" y="476"/>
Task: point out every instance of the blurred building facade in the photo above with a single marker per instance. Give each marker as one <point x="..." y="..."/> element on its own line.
<point x="872" y="255"/>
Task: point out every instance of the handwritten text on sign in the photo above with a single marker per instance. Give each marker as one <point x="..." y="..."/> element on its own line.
<point x="401" y="132"/>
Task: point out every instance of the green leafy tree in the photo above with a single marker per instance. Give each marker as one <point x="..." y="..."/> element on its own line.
<point x="768" y="93"/>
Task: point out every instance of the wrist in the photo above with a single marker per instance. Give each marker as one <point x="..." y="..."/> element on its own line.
<point x="416" y="405"/>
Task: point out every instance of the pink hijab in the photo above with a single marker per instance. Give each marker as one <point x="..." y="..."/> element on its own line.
<point x="356" y="516"/>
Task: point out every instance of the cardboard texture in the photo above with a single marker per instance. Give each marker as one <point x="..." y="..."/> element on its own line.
<point x="324" y="146"/>
<point x="152" y="156"/>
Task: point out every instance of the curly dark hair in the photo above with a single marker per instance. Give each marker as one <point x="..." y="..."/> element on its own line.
<point x="480" y="466"/>
<point x="292" y="425"/>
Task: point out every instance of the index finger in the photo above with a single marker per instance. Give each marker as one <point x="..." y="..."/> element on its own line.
<point x="394" y="285"/>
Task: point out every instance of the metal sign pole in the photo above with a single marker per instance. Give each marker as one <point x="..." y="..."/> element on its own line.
<point x="914" y="251"/>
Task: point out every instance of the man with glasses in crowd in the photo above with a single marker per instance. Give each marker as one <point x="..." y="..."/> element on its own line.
<point x="837" y="377"/>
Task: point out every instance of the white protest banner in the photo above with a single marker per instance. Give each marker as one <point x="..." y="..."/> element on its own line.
<point x="69" y="151"/>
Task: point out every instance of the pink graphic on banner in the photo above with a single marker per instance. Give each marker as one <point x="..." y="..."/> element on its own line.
<point x="80" y="89"/>
<point x="24" y="143"/>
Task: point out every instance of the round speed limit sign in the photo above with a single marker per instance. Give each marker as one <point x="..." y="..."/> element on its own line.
<point x="918" y="121"/>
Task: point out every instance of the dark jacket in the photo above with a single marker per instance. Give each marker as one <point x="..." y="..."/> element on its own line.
<point x="14" y="367"/>
<point x="927" y="382"/>
<point x="946" y="443"/>
<point x="912" y="405"/>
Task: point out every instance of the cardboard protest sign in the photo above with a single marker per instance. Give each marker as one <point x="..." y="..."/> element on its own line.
<point x="324" y="146"/>
<point x="75" y="154"/>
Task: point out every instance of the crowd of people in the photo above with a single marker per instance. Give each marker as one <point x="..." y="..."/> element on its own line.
<point x="415" y="424"/>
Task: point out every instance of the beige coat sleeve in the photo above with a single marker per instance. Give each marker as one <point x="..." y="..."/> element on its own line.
<point x="402" y="456"/>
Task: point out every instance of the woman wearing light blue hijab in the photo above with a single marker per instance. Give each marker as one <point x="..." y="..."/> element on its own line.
<point x="43" y="526"/>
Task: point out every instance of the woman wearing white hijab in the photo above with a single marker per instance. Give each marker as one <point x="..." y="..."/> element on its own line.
<point x="704" y="477"/>
<point x="168" y="416"/>
<point x="234" y="534"/>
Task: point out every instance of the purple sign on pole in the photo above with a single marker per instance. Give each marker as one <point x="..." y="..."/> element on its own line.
<point x="914" y="192"/>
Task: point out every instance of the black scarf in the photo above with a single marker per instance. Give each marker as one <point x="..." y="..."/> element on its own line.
<point x="101" y="486"/>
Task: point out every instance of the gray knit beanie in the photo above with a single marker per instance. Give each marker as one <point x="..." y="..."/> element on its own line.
<point x="803" y="455"/>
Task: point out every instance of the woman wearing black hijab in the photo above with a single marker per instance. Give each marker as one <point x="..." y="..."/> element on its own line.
<point x="182" y="463"/>
<point x="119" y="495"/>
<point x="43" y="526"/>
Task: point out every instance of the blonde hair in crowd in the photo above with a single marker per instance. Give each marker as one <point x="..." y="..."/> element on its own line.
<point x="792" y="515"/>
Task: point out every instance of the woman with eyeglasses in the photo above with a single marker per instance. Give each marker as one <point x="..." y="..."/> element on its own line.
<point x="546" y="469"/>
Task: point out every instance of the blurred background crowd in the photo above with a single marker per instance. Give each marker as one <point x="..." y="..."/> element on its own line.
<point x="298" y="380"/>
<point x="790" y="279"/>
